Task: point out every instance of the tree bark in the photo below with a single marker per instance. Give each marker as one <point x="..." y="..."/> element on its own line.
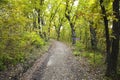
<point x="115" y="41"/>
<point x="58" y="32"/>
<point x="93" y="36"/>
<point x="34" y="21"/>
<point x="39" y="23"/>
<point x="73" y="35"/>
<point x="67" y="15"/>
<point x="107" y="35"/>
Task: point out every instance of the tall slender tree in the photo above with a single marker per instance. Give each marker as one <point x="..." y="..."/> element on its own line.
<point x="112" y="69"/>
<point x="71" y="19"/>
<point x="40" y="17"/>
<point x="106" y="32"/>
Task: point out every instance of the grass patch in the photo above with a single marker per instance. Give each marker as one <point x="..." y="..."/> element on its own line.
<point x="76" y="53"/>
<point x="94" y="58"/>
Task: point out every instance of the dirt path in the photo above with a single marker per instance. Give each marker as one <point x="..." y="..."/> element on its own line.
<point x="57" y="64"/>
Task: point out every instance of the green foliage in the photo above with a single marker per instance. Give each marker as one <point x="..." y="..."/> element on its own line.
<point x="7" y="59"/>
<point x="35" y="39"/>
<point x="13" y="49"/>
<point x="93" y="58"/>
<point x="76" y="53"/>
<point x="20" y="29"/>
<point x="17" y="38"/>
<point x="3" y="2"/>
<point x="79" y="46"/>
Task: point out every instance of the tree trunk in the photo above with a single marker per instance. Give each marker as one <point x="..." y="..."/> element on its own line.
<point x="49" y="30"/>
<point x="107" y="35"/>
<point x="58" y="36"/>
<point x="58" y="33"/>
<point x="39" y="23"/>
<point x="93" y="36"/>
<point x="67" y="15"/>
<point x="34" y="21"/>
<point x="115" y="41"/>
<point x="73" y="35"/>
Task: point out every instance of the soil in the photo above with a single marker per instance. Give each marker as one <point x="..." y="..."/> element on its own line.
<point x="59" y="64"/>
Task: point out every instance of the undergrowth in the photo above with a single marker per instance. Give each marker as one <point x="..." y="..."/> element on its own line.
<point x="94" y="58"/>
<point x="13" y="49"/>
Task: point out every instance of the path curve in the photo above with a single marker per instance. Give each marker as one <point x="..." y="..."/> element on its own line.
<point x="57" y="64"/>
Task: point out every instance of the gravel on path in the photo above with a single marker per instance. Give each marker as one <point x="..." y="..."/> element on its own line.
<point x="57" y="64"/>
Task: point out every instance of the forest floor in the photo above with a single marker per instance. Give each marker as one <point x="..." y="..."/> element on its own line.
<point x="60" y="64"/>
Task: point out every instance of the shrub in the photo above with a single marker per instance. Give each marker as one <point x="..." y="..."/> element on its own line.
<point x="12" y="48"/>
